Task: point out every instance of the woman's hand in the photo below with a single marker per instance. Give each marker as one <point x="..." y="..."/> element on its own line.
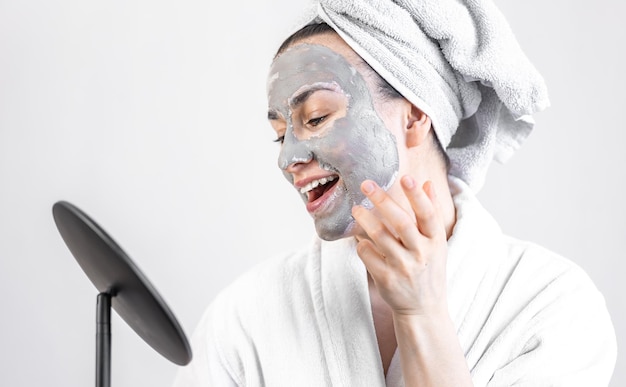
<point x="405" y="252"/>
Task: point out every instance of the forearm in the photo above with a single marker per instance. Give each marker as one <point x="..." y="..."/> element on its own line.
<point x="430" y="352"/>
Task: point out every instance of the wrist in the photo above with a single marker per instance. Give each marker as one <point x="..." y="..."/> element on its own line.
<point x="435" y="318"/>
<point x="436" y="312"/>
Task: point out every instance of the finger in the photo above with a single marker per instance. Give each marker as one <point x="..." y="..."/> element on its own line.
<point x="432" y="195"/>
<point x="399" y="223"/>
<point x="423" y="201"/>
<point x="376" y="230"/>
<point x="372" y="258"/>
<point x="386" y="244"/>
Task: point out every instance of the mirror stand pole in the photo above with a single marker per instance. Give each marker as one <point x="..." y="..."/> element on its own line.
<point x="103" y="340"/>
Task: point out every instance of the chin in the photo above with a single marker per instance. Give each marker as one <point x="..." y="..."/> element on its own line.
<point x="335" y="233"/>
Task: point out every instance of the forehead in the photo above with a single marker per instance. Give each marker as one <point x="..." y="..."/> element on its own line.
<point x="334" y="42"/>
<point x="309" y="62"/>
<point x="316" y="60"/>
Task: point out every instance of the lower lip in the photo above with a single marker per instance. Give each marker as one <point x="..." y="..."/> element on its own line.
<point x="322" y="202"/>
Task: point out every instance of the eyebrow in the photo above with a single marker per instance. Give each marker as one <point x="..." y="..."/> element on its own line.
<point x="299" y="99"/>
<point x="294" y="102"/>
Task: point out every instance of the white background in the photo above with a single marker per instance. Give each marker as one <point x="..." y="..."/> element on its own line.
<point x="150" y="116"/>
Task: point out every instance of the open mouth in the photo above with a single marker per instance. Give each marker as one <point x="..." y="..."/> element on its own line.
<point x="316" y="189"/>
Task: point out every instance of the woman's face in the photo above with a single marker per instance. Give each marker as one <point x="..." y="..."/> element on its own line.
<point x="332" y="138"/>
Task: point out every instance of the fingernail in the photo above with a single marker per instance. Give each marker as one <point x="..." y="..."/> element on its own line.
<point x="430" y="190"/>
<point x="368" y="187"/>
<point x="408" y="182"/>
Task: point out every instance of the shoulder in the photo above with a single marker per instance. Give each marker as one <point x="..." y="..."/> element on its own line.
<point x="238" y="321"/>
<point x="541" y="280"/>
<point x="559" y="324"/>
<point x="536" y="264"/>
<point x="265" y="285"/>
<point x="273" y="275"/>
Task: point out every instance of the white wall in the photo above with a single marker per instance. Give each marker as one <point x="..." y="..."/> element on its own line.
<point x="150" y="116"/>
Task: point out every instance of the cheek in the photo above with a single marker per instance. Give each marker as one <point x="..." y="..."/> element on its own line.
<point x="375" y="152"/>
<point x="338" y="147"/>
<point x="359" y="145"/>
<point x="344" y="137"/>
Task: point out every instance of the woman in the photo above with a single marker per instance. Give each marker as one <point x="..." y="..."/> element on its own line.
<point x="387" y="118"/>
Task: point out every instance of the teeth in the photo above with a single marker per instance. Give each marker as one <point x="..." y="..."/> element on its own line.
<point x="317" y="183"/>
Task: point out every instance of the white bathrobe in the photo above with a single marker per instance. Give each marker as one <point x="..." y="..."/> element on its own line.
<point x="524" y="317"/>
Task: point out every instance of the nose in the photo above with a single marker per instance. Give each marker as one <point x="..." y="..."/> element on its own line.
<point x="293" y="153"/>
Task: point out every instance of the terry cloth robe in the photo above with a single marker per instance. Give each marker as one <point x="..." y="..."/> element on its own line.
<point x="524" y="317"/>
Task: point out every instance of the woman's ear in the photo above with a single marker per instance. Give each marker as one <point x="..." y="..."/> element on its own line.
<point x="418" y="126"/>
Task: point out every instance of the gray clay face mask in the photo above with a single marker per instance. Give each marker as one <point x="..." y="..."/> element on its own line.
<point x="330" y="118"/>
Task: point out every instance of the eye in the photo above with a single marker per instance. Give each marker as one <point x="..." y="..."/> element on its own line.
<point x="316" y="121"/>
<point x="280" y="139"/>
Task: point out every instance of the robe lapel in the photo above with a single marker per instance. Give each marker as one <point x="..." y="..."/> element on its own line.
<point x="345" y="318"/>
<point x="473" y="253"/>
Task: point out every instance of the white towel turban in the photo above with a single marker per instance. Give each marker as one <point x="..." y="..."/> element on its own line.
<point x="459" y="62"/>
